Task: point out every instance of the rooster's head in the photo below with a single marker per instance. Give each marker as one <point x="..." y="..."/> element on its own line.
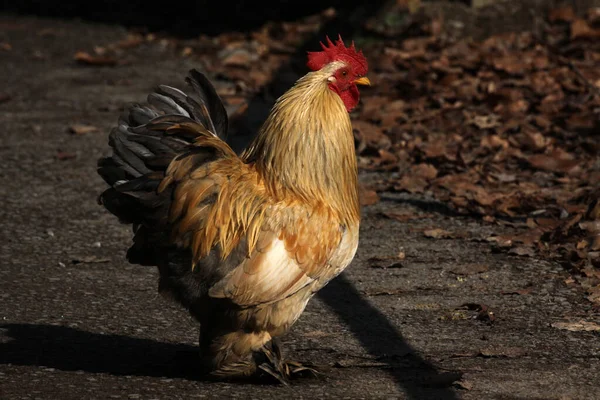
<point x="348" y="67"/>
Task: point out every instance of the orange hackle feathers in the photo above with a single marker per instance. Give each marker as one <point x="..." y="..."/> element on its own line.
<point x="338" y="52"/>
<point x="310" y="159"/>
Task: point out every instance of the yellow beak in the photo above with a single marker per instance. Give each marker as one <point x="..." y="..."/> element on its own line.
<point x="363" y="81"/>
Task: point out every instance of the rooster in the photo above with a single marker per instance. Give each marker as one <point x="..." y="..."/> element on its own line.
<point x="242" y="241"/>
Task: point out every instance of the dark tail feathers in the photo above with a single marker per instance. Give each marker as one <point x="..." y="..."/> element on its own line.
<point x="142" y="149"/>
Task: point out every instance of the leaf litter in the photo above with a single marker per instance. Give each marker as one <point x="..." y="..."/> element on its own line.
<point x="503" y="130"/>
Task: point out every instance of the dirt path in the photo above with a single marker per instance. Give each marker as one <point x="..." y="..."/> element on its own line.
<point x="79" y="322"/>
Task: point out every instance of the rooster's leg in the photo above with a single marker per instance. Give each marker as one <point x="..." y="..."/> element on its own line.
<point x="231" y="355"/>
<point x="241" y="354"/>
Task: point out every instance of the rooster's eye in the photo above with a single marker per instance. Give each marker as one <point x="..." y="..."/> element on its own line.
<point x="344" y="73"/>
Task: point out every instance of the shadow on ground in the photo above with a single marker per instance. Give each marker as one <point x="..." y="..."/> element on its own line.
<point x="71" y="349"/>
<point x="417" y="377"/>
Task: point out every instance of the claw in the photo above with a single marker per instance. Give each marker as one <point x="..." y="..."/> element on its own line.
<point x="295" y="368"/>
<point x="272" y="363"/>
<point x="282" y="378"/>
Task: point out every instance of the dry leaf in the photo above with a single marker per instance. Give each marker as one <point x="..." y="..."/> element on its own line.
<point x="425" y="171"/>
<point x="370" y="137"/>
<point x="581" y="29"/>
<point x="368" y="197"/>
<point x="522" y="251"/>
<point x="80" y="129"/>
<point x="553" y="163"/>
<point x="577" y="326"/>
<point x="412" y="184"/>
<point x="438" y="233"/>
<point x="83" y="57"/>
<point x="562" y="14"/>
<point x="131" y="41"/>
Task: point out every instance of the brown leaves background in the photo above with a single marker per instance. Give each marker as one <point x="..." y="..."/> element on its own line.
<point x="505" y="129"/>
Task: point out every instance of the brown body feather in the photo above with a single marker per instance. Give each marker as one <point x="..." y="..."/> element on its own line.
<point x="247" y="240"/>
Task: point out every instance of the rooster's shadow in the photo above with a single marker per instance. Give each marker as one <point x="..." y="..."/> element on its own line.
<point x="71" y="349"/>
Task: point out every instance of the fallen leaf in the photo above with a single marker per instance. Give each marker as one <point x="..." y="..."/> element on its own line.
<point x="387" y="158"/>
<point x="370" y="137"/>
<point x="83" y="57"/>
<point x="438" y="233"/>
<point x="425" y="171"/>
<point x="581" y="29"/>
<point x="80" y="129"/>
<point x="562" y="14"/>
<point x="553" y="163"/>
<point x="594" y="294"/>
<point x="577" y="326"/>
<point x="368" y="197"/>
<point x="494" y="142"/>
<point x="411" y="183"/>
<point x="132" y="40"/>
<point x="502" y="241"/>
<point x="486" y="121"/>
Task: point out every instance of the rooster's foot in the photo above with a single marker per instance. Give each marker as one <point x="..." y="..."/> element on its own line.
<point x="271" y="362"/>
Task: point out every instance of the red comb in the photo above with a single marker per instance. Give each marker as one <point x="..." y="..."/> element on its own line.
<point x="338" y="52"/>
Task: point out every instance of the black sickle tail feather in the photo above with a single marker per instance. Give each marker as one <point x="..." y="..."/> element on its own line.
<point x="142" y="149"/>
